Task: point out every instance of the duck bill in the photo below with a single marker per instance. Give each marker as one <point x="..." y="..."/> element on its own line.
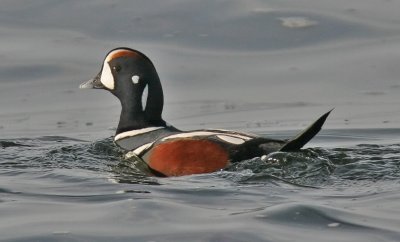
<point x="94" y="83"/>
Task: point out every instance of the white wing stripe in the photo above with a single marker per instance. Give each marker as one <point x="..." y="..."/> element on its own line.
<point x="230" y="138"/>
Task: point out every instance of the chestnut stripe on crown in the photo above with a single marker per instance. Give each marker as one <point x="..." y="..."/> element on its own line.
<point x="121" y="53"/>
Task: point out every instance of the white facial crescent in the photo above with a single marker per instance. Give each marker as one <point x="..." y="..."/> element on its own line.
<point x="106" y="76"/>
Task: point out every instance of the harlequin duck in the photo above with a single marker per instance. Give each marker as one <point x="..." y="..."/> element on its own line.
<point x="166" y="150"/>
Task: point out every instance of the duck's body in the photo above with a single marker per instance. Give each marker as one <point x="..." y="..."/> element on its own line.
<point x="166" y="150"/>
<point x="170" y="152"/>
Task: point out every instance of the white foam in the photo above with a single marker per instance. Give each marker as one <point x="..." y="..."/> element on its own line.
<point x="264" y="158"/>
<point x="297" y="22"/>
<point x="333" y="225"/>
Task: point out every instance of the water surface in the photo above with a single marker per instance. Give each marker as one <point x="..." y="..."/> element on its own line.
<point x="267" y="67"/>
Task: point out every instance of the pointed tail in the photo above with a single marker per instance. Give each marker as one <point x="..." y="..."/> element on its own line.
<point x="301" y="139"/>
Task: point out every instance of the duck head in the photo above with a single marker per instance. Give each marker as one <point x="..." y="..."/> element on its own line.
<point x="126" y="73"/>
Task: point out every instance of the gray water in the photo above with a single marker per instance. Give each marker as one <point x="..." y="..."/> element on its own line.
<point x="267" y="67"/>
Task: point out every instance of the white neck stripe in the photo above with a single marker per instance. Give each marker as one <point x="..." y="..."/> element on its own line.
<point x="135" y="132"/>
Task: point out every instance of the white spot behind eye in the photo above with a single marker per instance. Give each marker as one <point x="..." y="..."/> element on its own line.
<point x="106" y="76"/>
<point x="135" y="79"/>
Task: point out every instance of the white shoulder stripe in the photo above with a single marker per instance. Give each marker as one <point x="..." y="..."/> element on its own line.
<point x="135" y="132"/>
<point x="138" y="151"/>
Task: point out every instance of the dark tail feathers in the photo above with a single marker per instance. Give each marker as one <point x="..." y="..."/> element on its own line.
<point x="301" y="139"/>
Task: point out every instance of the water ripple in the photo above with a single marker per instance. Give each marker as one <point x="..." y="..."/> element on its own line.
<point x="309" y="167"/>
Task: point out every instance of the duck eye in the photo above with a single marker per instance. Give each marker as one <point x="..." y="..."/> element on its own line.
<point x="117" y="68"/>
